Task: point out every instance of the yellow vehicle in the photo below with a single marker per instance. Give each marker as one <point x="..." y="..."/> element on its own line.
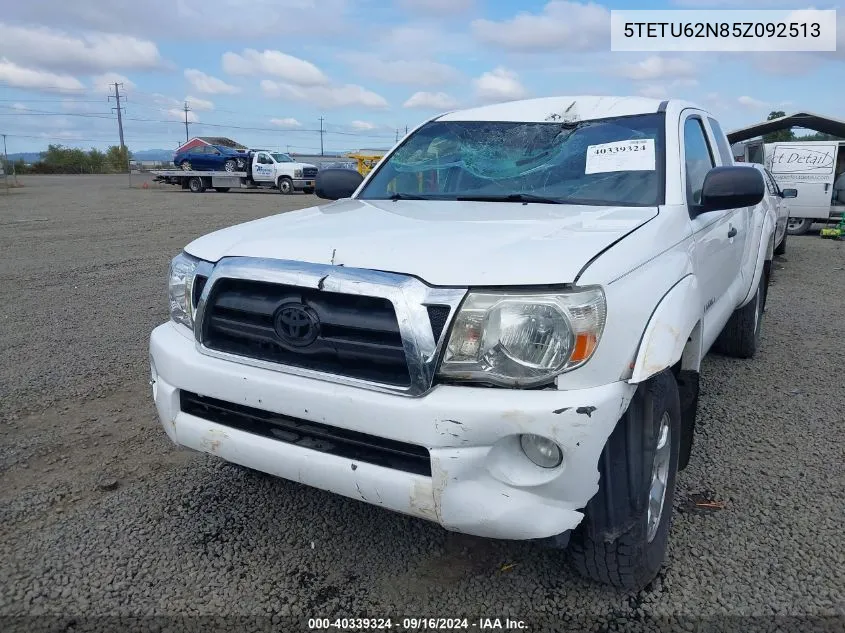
<point x="365" y="162"/>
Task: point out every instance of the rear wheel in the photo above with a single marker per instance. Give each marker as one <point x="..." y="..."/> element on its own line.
<point x="741" y="335"/>
<point x="285" y="185"/>
<point x="196" y="185"/>
<point x="221" y="189"/>
<point x="230" y="166"/>
<point x="780" y="249"/>
<point x="185" y="165"/>
<point x="798" y="226"/>
<point x="623" y="537"/>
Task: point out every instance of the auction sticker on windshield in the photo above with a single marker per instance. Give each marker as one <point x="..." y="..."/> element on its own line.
<point x="637" y="155"/>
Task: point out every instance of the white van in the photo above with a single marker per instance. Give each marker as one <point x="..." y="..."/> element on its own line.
<point x="815" y="168"/>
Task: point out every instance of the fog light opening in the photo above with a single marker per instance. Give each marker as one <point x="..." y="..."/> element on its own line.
<point x="541" y="450"/>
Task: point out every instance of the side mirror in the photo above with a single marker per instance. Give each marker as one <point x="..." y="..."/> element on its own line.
<point x="788" y="193"/>
<point x="731" y="188"/>
<point x="334" y="184"/>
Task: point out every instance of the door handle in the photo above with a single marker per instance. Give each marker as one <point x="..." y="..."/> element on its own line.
<point x="732" y="232"/>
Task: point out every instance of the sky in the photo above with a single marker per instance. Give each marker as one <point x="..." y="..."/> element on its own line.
<point x="264" y="72"/>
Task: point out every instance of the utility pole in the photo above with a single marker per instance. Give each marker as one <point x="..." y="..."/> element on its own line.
<point x="397" y="135"/>
<point x="321" y="136"/>
<point x="406" y="130"/>
<point x="187" y="109"/>
<point x="5" y="165"/>
<point x="117" y="107"/>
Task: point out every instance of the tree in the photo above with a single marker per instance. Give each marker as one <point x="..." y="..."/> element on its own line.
<point x="96" y="161"/>
<point x="779" y="135"/>
<point x="118" y="158"/>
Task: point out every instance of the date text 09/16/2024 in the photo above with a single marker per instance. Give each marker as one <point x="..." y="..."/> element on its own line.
<point x="416" y="624"/>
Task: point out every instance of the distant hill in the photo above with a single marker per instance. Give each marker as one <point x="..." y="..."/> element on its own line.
<point x="27" y="157"/>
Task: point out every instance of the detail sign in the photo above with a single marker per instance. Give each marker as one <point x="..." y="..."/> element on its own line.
<point x="802" y="162"/>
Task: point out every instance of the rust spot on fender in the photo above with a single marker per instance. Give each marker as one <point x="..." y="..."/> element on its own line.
<point x="588" y="411"/>
<point x="559" y="411"/>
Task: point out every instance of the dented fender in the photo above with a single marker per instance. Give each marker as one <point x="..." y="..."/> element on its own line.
<point x="668" y="331"/>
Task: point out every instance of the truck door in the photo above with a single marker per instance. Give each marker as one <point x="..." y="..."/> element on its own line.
<point x="809" y="168"/>
<point x="718" y="250"/>
<point x="263" y="168"/>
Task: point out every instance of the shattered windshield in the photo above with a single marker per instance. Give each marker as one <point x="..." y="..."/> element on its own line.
<point x="616" y="161"/>
<point x="282" y="158"/>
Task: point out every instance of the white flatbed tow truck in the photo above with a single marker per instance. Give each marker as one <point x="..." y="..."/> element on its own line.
<point x="265" y="169"/>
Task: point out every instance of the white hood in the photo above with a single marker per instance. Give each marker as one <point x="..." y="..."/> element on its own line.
<point x="441" y="242"/>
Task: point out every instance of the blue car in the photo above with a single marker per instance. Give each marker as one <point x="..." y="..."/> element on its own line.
<point x="211" y="158"/>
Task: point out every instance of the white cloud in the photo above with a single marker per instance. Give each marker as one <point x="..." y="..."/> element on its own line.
<point x="752" y="103"/>
<point x="419" y="72"/>
<point x="431" y="100"/>
<point x="275" y="63"/>
<point x="106" y="82"/>
<point x="179" y="115"/>
<point x="666" y="90"/>
<point x="438" y="7"/>
<point x="562" y="25"/>
<point x="199" y="104"/>
<point x="188" y="21"/>
<point x="363" y="125"/>
<point x="56" y="50"/>
<point x="287" y="122"/>
<point x="657" y="67"/>
<point x="325" y="96"/>
<point x="206" y="84"/>
<point x="499" y="84"/>
<point x="29" y="78"/>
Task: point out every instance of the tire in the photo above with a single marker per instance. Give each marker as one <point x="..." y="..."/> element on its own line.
<point x="285" y="185"/>
<point x="308" y="190"/>
<point x="798" y="226"/>
<point x="230" y="166"/>
<point x="185" y="165"/>
<point x="196" y="185"/>
<point x="222" y="189"/>
<point x="741" y="334"/>
<point x="780" y="249"/>
<point x="623" y="537"/>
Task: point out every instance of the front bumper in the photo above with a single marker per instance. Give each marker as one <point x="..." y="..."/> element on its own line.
<point x="303" y="183"/>
<point x="481" y="483"/>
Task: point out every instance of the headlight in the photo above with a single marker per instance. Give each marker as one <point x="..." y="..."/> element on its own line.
<point x="523" y="339"/>
<point x="179" y="288"/>
<point x="297" y="173"/>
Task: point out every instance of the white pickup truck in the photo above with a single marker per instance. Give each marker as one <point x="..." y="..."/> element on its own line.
<point x="499" y="330"/>
<point x="264" y="169"/>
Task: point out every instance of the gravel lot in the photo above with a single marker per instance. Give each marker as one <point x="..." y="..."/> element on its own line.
<point x="101" y="515"/>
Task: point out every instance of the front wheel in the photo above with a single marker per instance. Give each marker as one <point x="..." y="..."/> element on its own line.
<point x="623" y="538"/>
<point x="285" y="185"/>
<point x="798" y="226"/>
<point x="308" y="190"/>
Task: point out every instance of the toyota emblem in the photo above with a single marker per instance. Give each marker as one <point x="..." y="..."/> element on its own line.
<point x="297" y="325"/>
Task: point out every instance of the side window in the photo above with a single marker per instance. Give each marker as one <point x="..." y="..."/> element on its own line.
<point x="697" y="157"/>
<point x="721" y="142"/>
<point x="262" y="159"/>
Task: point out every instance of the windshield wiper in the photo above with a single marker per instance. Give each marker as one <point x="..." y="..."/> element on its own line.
<point x="513" y="197"/>
<point x="407" y="196"/>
